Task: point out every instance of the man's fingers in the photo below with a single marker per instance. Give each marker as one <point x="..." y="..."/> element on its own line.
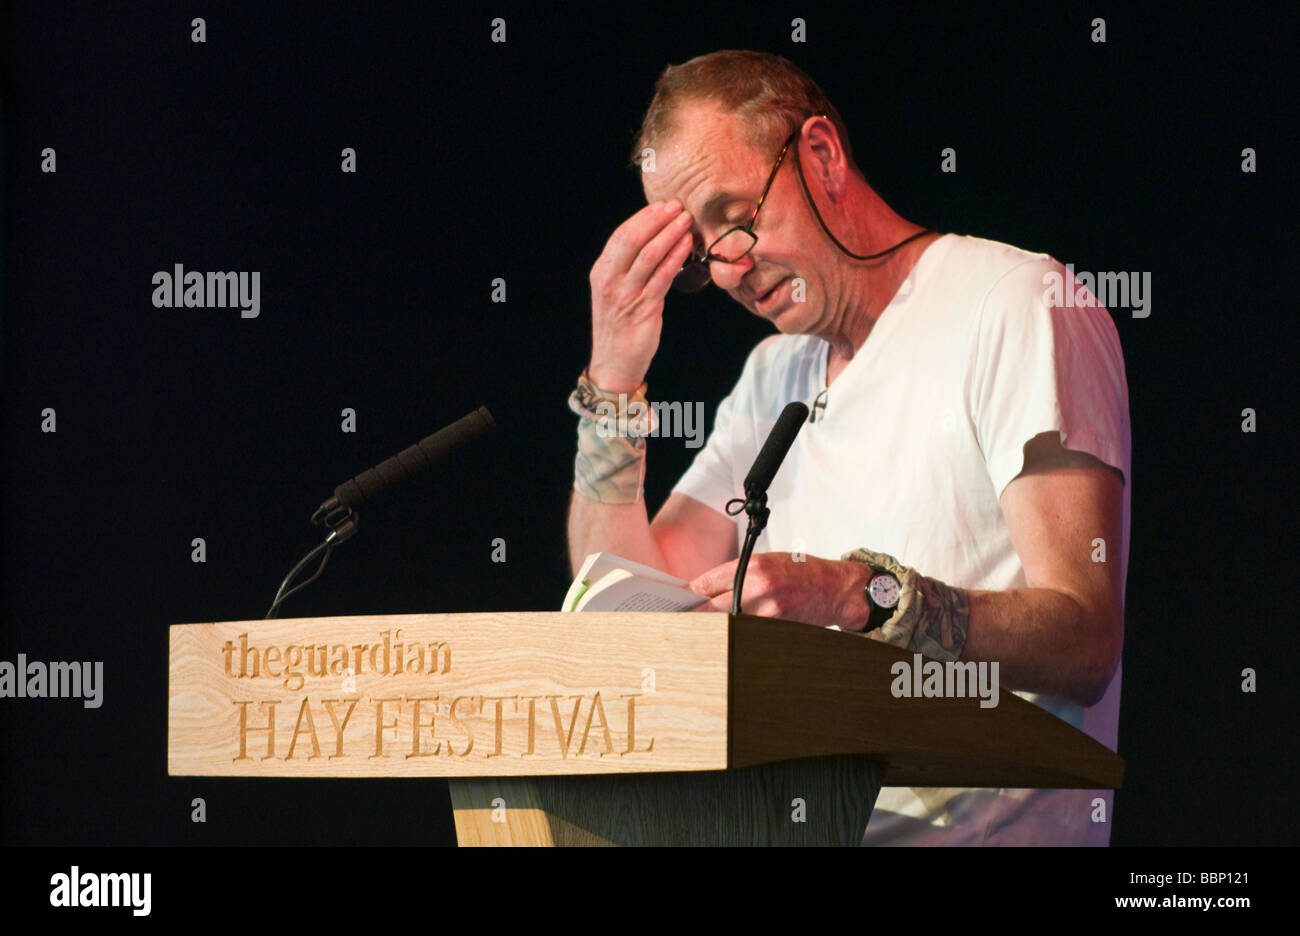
<point x="716" y="580"/>
<point x="651" y="256"/>
<point x="721" y="603"/>
<point x="630" y="237"/>
<point x="671" y="265"/>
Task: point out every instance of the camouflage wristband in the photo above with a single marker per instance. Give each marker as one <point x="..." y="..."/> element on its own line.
<point x="610" y="465"/>
<point x="609" y="468"/>
<point x="586" y="397"/>
<point x="931" y="618"/>
<point x="615" y="413"/>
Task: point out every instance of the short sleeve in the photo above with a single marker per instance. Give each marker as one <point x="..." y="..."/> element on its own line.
<point x="1045" y="362"/>
<point x="710" y="478"/>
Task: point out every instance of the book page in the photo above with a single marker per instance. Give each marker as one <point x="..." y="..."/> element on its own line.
<point x="623" y="591"/>
<point x="598" y="565"/>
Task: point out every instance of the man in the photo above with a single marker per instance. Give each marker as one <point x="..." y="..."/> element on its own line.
<point x="943" y="385"/>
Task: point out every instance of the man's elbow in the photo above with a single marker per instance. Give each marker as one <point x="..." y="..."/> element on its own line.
<point x="1103" y="656"/>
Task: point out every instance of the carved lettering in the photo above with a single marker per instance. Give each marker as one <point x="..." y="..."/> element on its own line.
<point x="460" y="726"/>
<point x="380" y="726"/>
<point x="469" y="717"/>
<point x="338" y="728"/>
<point x="631" y="727"/>
<point x="496" y="747"/>
<point x="597" y="708"/>
<point x="560" y="735"/>
<point x="314" y="654"/>
<point x="532" y="727"/>
<point x="304" y="711"/>
<point x="244" y="651"/>
<point x="416" y="726"/>
<point x="245" y="728"/>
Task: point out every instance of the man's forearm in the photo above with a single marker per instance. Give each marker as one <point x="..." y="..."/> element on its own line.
<point x="607" y="511"/>
<point x="623" y="529"/>
<point x="1044" y="641"/>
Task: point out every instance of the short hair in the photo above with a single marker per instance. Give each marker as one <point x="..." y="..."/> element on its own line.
<point x="771" y="94"/>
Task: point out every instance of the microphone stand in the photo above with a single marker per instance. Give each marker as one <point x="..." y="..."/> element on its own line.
<point x="760" y="476"/>
<point x="756" y="507"/>
<point x="336" y="513"/>
<point x="342" y="523"/>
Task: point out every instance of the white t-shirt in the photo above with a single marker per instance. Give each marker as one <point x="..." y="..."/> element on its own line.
<point x="919" y="435"/>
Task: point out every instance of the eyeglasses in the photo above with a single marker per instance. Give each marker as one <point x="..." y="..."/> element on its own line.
<point x="732" y="246"/>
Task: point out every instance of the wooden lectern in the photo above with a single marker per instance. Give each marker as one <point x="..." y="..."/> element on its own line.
<point x="618" y="728"/>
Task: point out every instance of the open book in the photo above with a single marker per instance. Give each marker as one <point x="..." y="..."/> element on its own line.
<point x="611" y="583"/>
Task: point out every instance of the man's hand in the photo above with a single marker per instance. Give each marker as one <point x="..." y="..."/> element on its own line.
<point x="628" y="284"/>
<point x="813" y="590"/>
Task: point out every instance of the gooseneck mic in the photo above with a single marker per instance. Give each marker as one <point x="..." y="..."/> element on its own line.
<point x="418" y="457"/>
<point x="337" y="515"/>
<point x="757" y="482"/>
<point x="774" y="449"/>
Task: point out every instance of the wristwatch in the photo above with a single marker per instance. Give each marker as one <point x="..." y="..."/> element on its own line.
<point x="882" y="591"/>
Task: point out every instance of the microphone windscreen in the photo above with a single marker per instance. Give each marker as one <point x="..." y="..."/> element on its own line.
<point x="421" y="455"/>
<point x="774" y="449"/>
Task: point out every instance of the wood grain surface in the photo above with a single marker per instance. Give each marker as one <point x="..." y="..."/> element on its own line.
<point x="510" y="694"/>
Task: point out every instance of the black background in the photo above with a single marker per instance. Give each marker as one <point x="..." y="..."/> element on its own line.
<point x="479" y="160"/>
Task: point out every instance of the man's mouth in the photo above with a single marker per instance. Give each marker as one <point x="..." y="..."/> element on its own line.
<point x="768" y="295"/>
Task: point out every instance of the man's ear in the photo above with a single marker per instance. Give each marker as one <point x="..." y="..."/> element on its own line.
<point x="827" y="161"/>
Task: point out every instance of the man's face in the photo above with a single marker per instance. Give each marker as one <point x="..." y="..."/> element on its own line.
<point x="708" y="166"/>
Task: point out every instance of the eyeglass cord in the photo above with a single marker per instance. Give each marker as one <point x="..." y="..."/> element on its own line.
<point x="817" y="215"/>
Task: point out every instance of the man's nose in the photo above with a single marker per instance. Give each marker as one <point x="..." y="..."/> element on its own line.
<point x="727" y="276"/>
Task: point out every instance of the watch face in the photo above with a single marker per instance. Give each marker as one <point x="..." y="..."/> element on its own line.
<point x="884" y="589"/>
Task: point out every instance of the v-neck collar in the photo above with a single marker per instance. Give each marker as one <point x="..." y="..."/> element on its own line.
<point x="905" y="289"/>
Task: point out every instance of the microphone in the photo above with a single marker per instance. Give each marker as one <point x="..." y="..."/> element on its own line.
<point x="774" y="449"/>
<point x="336" y="513"/>
<point x="407" y="462"/>
<point x="760" y="476"/>
<point x="819" y="404"/>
